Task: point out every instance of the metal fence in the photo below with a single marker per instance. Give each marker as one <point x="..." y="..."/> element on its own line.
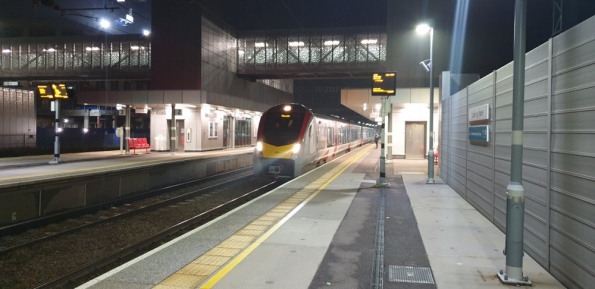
<point x="321" y="51"/>
<point x="558" y="154"/>
<point x="75" y="56"/>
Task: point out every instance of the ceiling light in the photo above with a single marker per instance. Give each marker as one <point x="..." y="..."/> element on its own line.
<point x="296" y="43"/>
<point x="422" y="28"/>
<point x="331" y="42"/>
<point x="91" y="48"/>
<point x="241" y="52"/>
<point x="146" y="32"/>
<point x="104" y="23"/>
<point x="259" y="44"/>
<point x="6" y="51"/>
<point x="135" y="47"/>
<point x="369" y="41"/>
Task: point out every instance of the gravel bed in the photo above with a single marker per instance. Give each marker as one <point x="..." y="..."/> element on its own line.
<point x="31" y="267"/>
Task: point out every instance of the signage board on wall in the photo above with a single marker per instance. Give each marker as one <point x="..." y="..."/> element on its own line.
<point x="479" y="113"/>
<point x="479" y="133"/>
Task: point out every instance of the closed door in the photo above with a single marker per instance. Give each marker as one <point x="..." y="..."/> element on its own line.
<point x="181" y="137"/>
<point x="415" y="140"/>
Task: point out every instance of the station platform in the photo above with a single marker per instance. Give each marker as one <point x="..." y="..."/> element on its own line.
<point x="28" y="169"/>
<point x="31" y="188"/>
<point x="333" y="228"/>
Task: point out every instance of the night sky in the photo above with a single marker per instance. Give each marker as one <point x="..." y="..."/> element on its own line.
<point x="488" y="44"/>
<point x="489" y="35"/>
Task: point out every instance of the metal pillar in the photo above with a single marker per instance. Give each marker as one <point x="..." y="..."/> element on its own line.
<point x="389" y="137"/>
<point x="431" y="149"/>
<point x="56" y="159"/>
<point x="172" y="134"/>
<point x="557" y="13"/>
<point x="86" y="119"/>
<point x="127" y="127"/>
<point x="381" y="182"/>
<point x="515" y="201"/>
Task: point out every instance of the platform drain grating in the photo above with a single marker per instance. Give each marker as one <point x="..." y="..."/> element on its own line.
<point x="407" y="274"/>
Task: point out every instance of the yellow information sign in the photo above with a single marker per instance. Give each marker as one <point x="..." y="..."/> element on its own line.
<point x="384" y="83"/>
<point x="57" y="91"/>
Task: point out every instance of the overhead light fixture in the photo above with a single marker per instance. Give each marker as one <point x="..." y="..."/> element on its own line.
<point x="6" y="51"/>
<point x="296" y="43"/>
<point x="104" y="23"/>
<point x="422" y="28"/>
<point x="135" y="47"/>
<point x="146" y="32"/>
<point x="94" y="48"/>
<point x="259" y="44"/>
<point x="241" y="52"/>
<point x="50" y="50"/>
<point x="331" y="42"/>
<point x="369" y="41"/>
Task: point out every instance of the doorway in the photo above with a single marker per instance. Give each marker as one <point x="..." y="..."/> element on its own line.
<point x="227" y="132"/>
<point x="180" y="137"/>
<point x="415" y="140"/>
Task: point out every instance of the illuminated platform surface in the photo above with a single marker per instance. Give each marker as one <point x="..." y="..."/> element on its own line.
<point x="320" y="231"/>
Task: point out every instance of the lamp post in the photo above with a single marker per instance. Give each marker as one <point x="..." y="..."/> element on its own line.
<point x="423" y="29"/>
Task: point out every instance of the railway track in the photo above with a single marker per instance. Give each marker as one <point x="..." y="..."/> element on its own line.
<point x="60" y="217"/>
<point x="107" y="222"/>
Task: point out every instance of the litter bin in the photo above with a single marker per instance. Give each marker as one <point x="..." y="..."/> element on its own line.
<point x="160" y="143"/>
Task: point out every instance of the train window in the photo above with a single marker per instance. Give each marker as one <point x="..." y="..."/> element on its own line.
<point x="282" y="130"/>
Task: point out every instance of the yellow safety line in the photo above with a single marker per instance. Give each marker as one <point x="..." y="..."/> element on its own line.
<point x="235" y="261"/>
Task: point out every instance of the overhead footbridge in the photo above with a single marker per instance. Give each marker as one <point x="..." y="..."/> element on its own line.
<point x="351" y="52"/>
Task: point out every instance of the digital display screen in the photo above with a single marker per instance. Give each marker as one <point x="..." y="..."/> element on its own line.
<point x="57" y="91"/>
<point x="60" y="91"/>
<point x="44" y="92"/>
<point x="384" y="83"/>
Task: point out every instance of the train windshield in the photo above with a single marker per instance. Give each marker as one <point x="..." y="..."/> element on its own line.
<point x="282" y="128"/>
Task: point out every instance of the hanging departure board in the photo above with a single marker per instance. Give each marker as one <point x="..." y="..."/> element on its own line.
<point x="53" y="91"/>
<point x="384" y="83"/>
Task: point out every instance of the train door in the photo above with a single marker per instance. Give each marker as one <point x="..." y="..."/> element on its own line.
<point x="415" y="140"/>
<point x="312" y="138"/>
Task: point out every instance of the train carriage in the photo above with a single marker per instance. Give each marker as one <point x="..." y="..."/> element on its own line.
<point x="292" y="140"/>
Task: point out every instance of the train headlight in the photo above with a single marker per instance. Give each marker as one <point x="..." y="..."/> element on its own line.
<point x="258" y="146"/>
<point x="296" y="148"/>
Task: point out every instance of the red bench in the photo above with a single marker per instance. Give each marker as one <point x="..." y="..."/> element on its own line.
<point x="138" y="143"/>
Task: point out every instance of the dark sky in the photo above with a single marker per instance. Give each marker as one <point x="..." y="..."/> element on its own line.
<point x="489" y="35"/>
<point x="490" y="24"/>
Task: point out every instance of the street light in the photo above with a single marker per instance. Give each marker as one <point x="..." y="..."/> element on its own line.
<point x="423" y="29"/>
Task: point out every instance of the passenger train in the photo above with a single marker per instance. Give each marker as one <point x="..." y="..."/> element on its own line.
<point x="292" y="140"/>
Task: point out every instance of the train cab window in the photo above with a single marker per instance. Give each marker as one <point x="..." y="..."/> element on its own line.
<point x="283" y="129"/>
